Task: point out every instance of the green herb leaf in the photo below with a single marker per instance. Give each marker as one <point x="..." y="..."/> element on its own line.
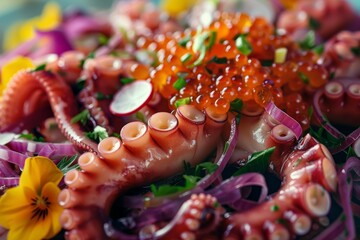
<point x="101" y="96"/>
<point x="80" y="83"/>
<point x="319" y="49"/>
<point x="186" y="57"/>
<point x="98" y="134"/>
<point x="179" y="84"/>
<point x="236" y="105"/>
<point x="350" y="153"/>
<point x="126" y="80"/>
<point x="140" y="116"/>
<point x="67" y="163"/>
<point x="313" y="23"/>
<point x="39" y="68"/>
<point x="310" y="112"/>
<point x="217" y="60"/>
<point x="308" y="42"/>
<point x="164" y="190"/>
<point x="103" y="40"/>
<point x="184" y="41"/>
<point x="275" y="208"/>
<point x="182" y="101"/>
<point x="208" y="167"/>
<point x="243" y="45"/>
<point x="90" y="55"/>
<point x="356" y="51"/>
<point x="31" y="137"/>
<point x="266" y="63"/>
<point x="326" y="138"/>
<point x="82" y="117"/>
<point x="258" y="162"/>
<point x="303" y="77"/>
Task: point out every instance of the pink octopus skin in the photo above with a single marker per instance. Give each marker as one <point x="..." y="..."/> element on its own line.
<point x="339" y="56"/>
<point x="42" y="86"/>
<point x="333" y="15"/>
<point x="259" y="131"/>
<point x="340" y="101"/>
<point x="146" y="153"/>
<point x="308" y="174"/>
<point x="198" y="216"/>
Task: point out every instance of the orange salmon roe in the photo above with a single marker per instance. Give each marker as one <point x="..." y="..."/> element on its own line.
<point x="232" y="58"/>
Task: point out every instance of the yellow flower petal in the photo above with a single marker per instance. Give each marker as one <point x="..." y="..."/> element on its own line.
<point x="51" y="191"/>
<point x="20" y="32"/>
<point x="14" y="207"/>
<point x="12" y="67"/>
<point x="175" y="7"/>
<point x="38" y="171"/>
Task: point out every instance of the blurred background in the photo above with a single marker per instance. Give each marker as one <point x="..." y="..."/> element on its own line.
<point x="12" y="11"/>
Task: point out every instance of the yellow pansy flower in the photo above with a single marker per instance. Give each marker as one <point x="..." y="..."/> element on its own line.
<point x="175" y="7"/>
<point x="31" y="210"/>
<point x="12" y="67"/>
<point x="23" y="31"/>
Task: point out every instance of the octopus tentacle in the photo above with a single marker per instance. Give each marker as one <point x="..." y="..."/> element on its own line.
<point x="308" y="175"/>
<point x="141" y="157"/>
<point x="18" y="101"/>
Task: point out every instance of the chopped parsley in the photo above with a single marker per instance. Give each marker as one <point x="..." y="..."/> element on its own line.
<point x="101" y="96"/>
<point x="126" y="80"/>
<point x="164" y="190"/>
<point x="98" y="134"/>
<point x="313" y="23"/>
<point x="308" y="42"/>
<point x="31" y="137"/>
<point x="275" y="208"/>
<point x="140" y="116"/>
<point x="303" y="77"/>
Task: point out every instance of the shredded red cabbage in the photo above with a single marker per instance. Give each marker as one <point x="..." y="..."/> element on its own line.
<point x="284" y="119"/>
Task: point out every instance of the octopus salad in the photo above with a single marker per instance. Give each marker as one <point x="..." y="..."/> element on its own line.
<point x="183" y="120"/>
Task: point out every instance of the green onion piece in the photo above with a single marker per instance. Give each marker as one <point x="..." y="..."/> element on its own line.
<point x="319" y="49"/>
<point x="201" y="57"/>
<point x="186" y="57"/>
<point x="356" y="51"/>
<point x="98" y="134"/>
<point x="182" y="101"/>
<point x="280" y="55"/>
<point x="39" y="68"/>
<point x="243" y="45"/>
<point x="82" y="117"/>
<point x="103" y="40"/>
<point x="309" y="41"/>
<point x="258" y="162"/>
<point x="127" y="80"/>
<point x="303" y="77"/>
<point x="179" y="84"/>
<point x="212" y="39"/>
<point x="80" y="83"/>
<point x="313" y="23"/>
<point x="217" y="60"/>
<point x="184" y="41"/>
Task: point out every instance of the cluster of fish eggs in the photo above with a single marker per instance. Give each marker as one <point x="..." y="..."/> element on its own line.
<point x="211" y="67"/>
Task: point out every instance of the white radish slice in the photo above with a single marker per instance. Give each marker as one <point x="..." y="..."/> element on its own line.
<point x="131" y="97"/>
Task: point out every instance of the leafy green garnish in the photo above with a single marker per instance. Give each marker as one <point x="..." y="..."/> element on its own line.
<point x="184" y="41"/>
<point x="310" y="112"/>
<point x="258" y="162"/>
<point x="326" y="138"/>
<point x="98" y="134"/>
<point x="303" y="77"/>
<point x="182" y="101"/>
<point x="308" y="42"/>
<point x="101" y="96"/>
<point x="140" y="116"/>
<point x="126" y="80"/>
<point x="103" y="40"/>
<point x="90" y="55"/>
<point x="275" y="208"/>
<point x="319" y="49"/>
<point x="243" y="45"/>
<point x="313" y="23"/>
<point x="164" y="190"/>
<point x="208" y="167"/>
<point x="236" y="105"/>
<point x="67" y="163"/>
<point x="82" y="117"/>
<point x="80" y="83"/>
<point x="39" y="68"/>
<point x="186" y="57"/>
<point x="356" y="51"/>
<point x="350" y="153"/>
<point x="179" y="84"/>
<point x="31" y="137"/>
<point x="266" y="63"/>
<point x="218" y="60"/>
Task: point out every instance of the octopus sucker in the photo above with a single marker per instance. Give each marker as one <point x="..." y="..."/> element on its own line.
<point x="62" y="101"/>
<point x="191" y="133"/>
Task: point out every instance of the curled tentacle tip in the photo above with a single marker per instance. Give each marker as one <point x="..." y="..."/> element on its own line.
<point x="163" y="121"/>
<point x="316" y="200"/>
<point x="133" y="131"/>
<point x="191" y="113"/>
<point x="109" y="145"/>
